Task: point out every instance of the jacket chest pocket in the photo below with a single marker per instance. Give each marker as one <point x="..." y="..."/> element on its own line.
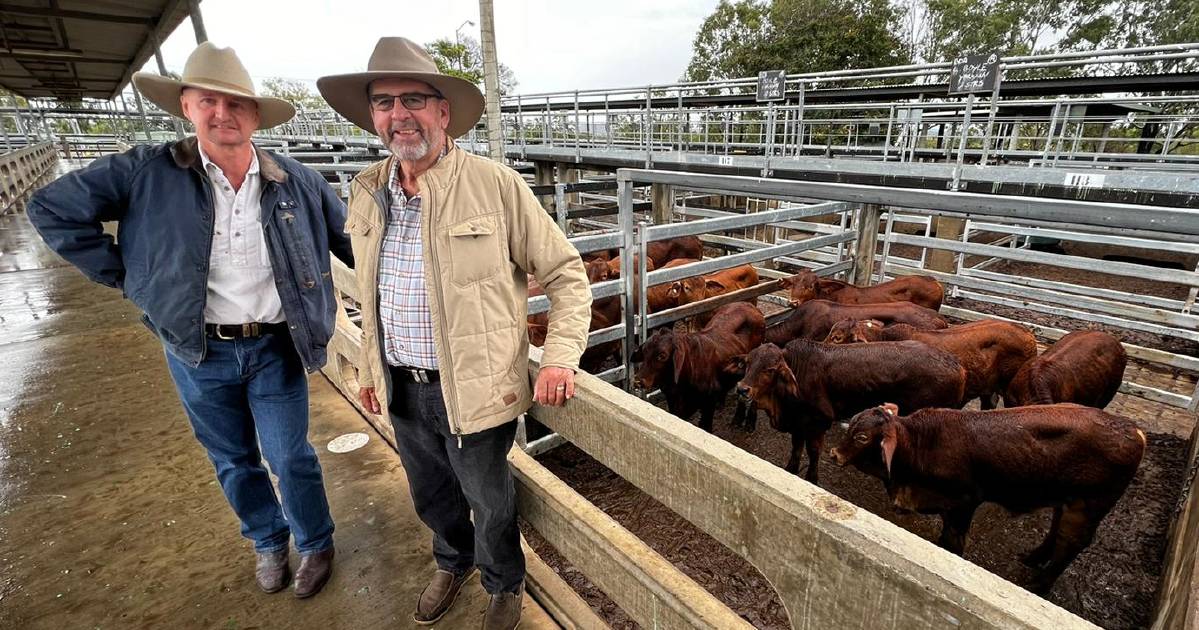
<point x="299" y="246"/>
<point x="475" y="249"/>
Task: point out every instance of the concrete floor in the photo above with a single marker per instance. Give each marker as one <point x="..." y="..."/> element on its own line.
<point x="110" y="514"/>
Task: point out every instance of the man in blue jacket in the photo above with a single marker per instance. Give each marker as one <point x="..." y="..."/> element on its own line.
<point x="225" y="249"/>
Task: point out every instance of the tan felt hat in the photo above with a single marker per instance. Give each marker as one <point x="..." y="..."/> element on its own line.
<point x="401" y="58"/>
<point x="212" y="68"/>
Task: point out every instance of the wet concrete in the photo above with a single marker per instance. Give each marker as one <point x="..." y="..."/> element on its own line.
<point x="110" y="515"/>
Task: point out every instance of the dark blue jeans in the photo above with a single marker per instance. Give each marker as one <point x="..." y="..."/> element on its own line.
<point x="246" y="400"/>
<point x="448" y="482"/>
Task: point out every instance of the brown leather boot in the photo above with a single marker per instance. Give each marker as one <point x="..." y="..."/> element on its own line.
<point x="314" y="571"/>
<point x="272" y="571"/>
<point x="439" y="595"/>
<point x="503" y="613"/>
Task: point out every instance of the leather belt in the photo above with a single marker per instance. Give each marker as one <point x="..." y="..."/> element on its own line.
<point x="228" y="332"/>
<point x="415" y="374"/>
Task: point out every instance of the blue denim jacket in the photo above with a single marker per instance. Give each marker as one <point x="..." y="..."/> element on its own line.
<point x="162" y="199"/>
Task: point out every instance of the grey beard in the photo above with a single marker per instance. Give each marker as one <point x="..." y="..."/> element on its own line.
<point x="410" y="152"/>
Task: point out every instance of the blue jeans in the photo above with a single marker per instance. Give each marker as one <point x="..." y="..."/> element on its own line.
<point x="247" y="399"/>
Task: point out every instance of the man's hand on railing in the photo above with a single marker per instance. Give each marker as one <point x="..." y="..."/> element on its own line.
<point x="366" y="396"/>
<point x="554" y="386"/>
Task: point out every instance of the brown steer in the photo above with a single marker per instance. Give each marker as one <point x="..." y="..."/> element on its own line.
<point x="991" y="351"/>
<point x="1075" y="459"/>
<point x="605" y="312"/>
<point x="695" y="370"/>
<point x="922" y="290"/>
<point x="809" y="385"/>
<point x="814" y="319"/>
<point x="698" y="288"/>
<point x="662" y="252"/>
<point x="1084" y="367"/>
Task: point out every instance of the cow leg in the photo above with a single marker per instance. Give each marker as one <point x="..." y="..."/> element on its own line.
<point x="739" y="418"/>
<point x="705" y="417"/>
<point x="751" y="417"/>
<point x="989" y="401"/>
<point x="793" y="463"/>
<point x="1039" y="556"/>
<point x="955" y="524"/>
<point x="1076" y="529"/>
<point x="814" y="445"/>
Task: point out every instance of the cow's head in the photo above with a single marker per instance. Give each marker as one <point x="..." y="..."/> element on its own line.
<point x="841" y="332"/>
<point x="870" y="441"/>
<point x="599" y="271"/>
<point x="768" y="380"/>
<point x="802" y="286"/>
<point x="689" y="290"/>
<point x="664" y="353"/>
<point x="855" y="331"/>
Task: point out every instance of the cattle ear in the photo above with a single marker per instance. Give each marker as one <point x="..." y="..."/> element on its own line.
<point x="890" y="440"/>
<point x="714" y="285"/>
<point x="680" y="357"/>
<point x="891" y="409"/>
<point x="786" y="282"/>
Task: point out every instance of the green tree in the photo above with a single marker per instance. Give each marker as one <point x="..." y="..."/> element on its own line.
<point x="295" y="92"/>
<point x="742" y="38"/>
<point x="464" y="59"/>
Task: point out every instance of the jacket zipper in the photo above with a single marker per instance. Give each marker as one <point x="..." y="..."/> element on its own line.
<point x="207" y="186"/>
<point x="386" y="212"/>
<point x="451" y="401"/>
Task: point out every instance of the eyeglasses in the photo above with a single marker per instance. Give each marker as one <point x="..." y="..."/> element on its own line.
<point x="411" y="101"/>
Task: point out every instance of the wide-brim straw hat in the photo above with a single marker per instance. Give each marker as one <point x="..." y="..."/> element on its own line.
<point x="401" y="58"/>
<point x="210" y="67"/>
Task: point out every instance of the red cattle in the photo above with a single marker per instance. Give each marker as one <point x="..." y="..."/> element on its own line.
<point x="614" y="266"/>
<point x="1084" y="367"/>
<point x="991" y="351"/>
<point x="814" y="319"/>
<point x="699" y="288"/>
<point x="1075" y="459"/>
<point x="696" y="370"/>
<point x="809" y="385"/>
<point x="605" y="312"/>
<point x="662" y="252"/>
<point x="922" y="290"/>
<point x="664" y="296"/>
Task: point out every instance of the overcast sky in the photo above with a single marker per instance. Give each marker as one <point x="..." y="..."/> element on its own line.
<point x="549" y="45"/>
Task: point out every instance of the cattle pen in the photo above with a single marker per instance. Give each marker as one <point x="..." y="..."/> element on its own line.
<point x="821" y="553"/>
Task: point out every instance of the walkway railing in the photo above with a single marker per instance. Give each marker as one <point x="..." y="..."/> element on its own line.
<point x="23" y="171"/>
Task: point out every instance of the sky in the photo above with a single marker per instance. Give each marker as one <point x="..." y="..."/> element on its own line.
<point x="549" y="45"/>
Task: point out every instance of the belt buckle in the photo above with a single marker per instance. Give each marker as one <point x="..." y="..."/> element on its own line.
<point x="419" y="375"/>
<point x="219" y="335"/>
<point x="250" y="330"/>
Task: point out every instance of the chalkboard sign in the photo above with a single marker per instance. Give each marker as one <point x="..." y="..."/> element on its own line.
<point x="974" y="73"/>
<point x="771" y="85"/>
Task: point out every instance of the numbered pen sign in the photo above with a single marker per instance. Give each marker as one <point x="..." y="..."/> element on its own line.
<point x="771" y="85"/>
<point x="974" y="73"/>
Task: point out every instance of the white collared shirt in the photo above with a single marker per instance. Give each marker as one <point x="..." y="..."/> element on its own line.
<point x="241" y="284"/>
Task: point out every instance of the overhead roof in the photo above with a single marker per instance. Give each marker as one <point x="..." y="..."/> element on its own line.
<point x="70" y="49"/>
